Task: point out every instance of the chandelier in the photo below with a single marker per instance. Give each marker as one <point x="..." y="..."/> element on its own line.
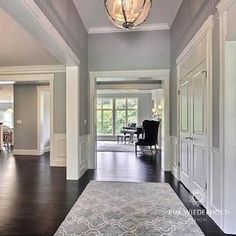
<point x="126" y="14"/>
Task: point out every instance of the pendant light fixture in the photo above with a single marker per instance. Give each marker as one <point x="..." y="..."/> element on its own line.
<point x="127" y="14"/>
<point x="9" y="109"/>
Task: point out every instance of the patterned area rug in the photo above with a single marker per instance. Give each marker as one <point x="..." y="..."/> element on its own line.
<point x="127" y="209"/>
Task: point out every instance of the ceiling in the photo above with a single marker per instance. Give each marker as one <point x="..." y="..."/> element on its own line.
<point x="95" y="18"/>
<point x="18" y="47"/>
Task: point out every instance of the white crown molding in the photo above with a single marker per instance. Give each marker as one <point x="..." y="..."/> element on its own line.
<point x="224" y="5"/>
<point x="14" y="70"/>
<point x="113" y="29"/>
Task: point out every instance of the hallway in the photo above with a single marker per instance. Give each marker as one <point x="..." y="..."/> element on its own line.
<point x="29" y="186"/>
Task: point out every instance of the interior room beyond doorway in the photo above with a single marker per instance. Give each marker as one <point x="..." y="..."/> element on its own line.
<point x="122" y="106"/>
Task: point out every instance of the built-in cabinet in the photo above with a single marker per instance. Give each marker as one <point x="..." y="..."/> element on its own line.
<point x="193" y="131"/>
<point x="194" y="113"/>
<point x="202" y="167"/>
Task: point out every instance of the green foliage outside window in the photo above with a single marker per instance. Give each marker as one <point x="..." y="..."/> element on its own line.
<point x="124" y="110"/>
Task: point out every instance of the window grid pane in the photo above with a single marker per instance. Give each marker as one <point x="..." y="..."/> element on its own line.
<point x="124" y="110"/>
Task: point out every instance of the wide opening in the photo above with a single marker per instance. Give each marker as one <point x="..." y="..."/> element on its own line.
<point x="26" y="121"/>
<point x="122" y="106"/>
<point x="6" y="117"/>
<point x="120" y="117"/>
<point x="43" y="119"/>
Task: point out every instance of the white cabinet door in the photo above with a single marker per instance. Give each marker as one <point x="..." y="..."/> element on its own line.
<point x="193" y="133"/>
<point x="185" y="132"/>
<point x="199" y="133"/>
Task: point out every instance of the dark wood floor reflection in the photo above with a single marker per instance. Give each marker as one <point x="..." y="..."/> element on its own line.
<point x="35" y="198"/>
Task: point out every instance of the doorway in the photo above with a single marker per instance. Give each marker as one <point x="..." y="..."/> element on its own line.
<point x="43" y="118"/>
<point x="27" y="136"/>
<point x="6" y="117"/>
<point x="161" y="75"/>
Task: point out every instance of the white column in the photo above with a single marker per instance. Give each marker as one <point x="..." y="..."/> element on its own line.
<point x="165" y="161"/>
<point x="72" y="123"/>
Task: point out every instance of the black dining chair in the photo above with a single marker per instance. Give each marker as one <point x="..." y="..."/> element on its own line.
<point x="150" y="135"/>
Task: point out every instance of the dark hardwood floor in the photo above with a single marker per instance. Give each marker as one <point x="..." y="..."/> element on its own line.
<point x="35" y="198"/>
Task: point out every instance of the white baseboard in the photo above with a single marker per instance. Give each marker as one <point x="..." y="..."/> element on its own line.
<point x="24" y="152"/>
<point x="215" y="184"/>
<point x="47" y="149"/>
<point x="83" y="153"/>
<point x="59" y="150"/>
<point x="174" y="155"/>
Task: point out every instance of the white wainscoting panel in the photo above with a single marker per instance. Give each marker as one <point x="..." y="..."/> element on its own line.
<point x="215" y="186"/>
<point x="59" y="153"/>
<point x="174" y="156"/>
<point x="83" y="153"/>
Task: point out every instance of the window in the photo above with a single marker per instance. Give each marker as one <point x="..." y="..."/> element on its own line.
<point x="115" y="113"/>
<point x="105" y="116"/>
<point x="126" y="112"/>
<point x="7" y="118"/>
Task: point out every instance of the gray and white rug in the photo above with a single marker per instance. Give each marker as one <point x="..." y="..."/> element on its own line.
<point x="127" y="209"/>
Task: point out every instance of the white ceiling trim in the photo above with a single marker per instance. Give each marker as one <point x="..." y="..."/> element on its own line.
<point x="14" y="70"/>
<point x="112" y="29"/>
<point x="129" y="86"/>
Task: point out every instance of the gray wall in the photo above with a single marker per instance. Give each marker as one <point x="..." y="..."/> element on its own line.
<point x="129" y="51"/>
<point x="64" y="16"/>
<point x="25" y="109"/>
<point x="191" y="15"/>
<point x="46" y="119"/>
<point x="59" y="102"/>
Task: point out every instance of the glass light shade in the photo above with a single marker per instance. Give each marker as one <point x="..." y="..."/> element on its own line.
<point x="9" y="110"/>
<point x="126" y="14"/>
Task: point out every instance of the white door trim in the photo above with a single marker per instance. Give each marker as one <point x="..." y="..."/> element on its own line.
<point x="161" y="75"/>
<point x="225" y="221"/>
<point x="41" y="89"/>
